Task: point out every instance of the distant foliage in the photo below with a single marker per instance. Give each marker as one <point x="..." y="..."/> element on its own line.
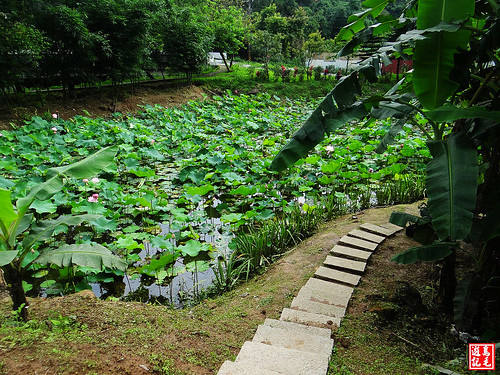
<point x="70" y="43"/>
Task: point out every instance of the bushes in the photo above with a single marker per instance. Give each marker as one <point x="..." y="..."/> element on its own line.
<point x="69" y="43"/>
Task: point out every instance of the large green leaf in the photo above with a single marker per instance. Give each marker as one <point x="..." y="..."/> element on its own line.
<point x="7" y="213"/>
<point x="42" y="191"/>
<point x="412" y="36"/>
<point x="337" y="108"/>
<point x="450" y="113"/>
<point x="427" y="253"/>
<point x="451" y="186"/>
<point x="191" y="248"/>
<point x="367" y="35"/>
<point x="433" y="58"/>
<point x="45" y="206"/>
<point x="87" y="167"/>
<point x="356" y="22"/>
<point x="159" y="264"/>
<point x="7" y="256"/>
<point x="44" y="229"/>
<point x="85" y="255"/>
<point x="403" y="218"/>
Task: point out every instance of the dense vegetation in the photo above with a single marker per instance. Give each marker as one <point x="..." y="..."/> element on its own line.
<point x="192" y="182"/>
<point x="68" y="44"/>
<point x="452" y="95"/>
<point x="204" y="172"/>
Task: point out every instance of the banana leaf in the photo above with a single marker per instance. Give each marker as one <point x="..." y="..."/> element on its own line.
<point x="451" y="186"/>
<point x="433" y="59"/>
<point x="84" y="255"/>
<point x="337" y="108"/>
<point x="356" y="22"/>
<point x="44" y="229"/>
<point x="427" y="253"/>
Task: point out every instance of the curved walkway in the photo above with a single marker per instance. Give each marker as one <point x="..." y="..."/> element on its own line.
<point x="300" y="342"/>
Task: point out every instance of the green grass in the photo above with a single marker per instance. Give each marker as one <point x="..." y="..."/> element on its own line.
<point x="243" y="80"/>
<point x="361" y="349"/>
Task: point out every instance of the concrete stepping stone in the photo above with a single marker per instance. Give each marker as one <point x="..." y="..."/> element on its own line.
<point x="282" y="324"/>
<point x="394" y="227"/>
<point x="376" y="229"/>
<point x="308" y="318"/>
<point x="329" y="274"/>
<point x="326" y="292"/>
<point x="282" y="360"/>
<point x="296" y="340"/>
<point x="363" y="235"/>
<point x="300" y="342"/>
<point x="344" y="264"/>
<point x="241" y="368"/>
<point x="306" y="304"/>
<point x="351" y="253"/>
<point x="357" y="243"/>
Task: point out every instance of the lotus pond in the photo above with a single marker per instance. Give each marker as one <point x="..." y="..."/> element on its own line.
<point x="190" y="185"/>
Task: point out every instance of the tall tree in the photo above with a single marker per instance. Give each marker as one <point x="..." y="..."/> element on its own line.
<point x="187" y="39"/>
<point x="229" y="30"/>
<point x="21" y="48"/>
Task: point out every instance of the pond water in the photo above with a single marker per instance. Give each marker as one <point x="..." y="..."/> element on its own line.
<point x="188" y="284"/>
<point x="183" y="287"/>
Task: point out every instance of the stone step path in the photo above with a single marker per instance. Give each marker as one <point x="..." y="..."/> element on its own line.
<point x="300" y="342"/>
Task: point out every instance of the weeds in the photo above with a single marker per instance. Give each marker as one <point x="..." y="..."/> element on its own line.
<point x="259" y="246"/>
<point x="164" y="365"/>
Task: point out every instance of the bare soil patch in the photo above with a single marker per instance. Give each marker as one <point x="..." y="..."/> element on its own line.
<point x="101" y="103"/>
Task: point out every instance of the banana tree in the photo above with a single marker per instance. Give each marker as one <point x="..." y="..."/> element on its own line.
<point x="454" y="45"/>
<point x="20" y="233"/>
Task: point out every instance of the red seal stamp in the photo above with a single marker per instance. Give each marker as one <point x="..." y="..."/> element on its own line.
<point x="481" y="356"/>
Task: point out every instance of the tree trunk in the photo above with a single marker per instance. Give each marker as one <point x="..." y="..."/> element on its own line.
<point x="397" y="69"/>
<point x="225" y="61"/>
<point x="448" y="282"/>
<point x="14" y="281"/>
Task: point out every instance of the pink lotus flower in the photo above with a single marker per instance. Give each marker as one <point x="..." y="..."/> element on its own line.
<point x="86" y="180"/>
<point x="153" y="141"/>
<point x="329" y="148"/>
<point x="370" y="170"/>
<point x="55" y="115"/>
<point x="54" y="129"/>
<point x="1" y="135"/>
<point x="94" y="198"/>
<point x="95" y="180"/>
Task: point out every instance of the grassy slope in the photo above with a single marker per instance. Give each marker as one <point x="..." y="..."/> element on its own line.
<point x="81" y="334"/>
